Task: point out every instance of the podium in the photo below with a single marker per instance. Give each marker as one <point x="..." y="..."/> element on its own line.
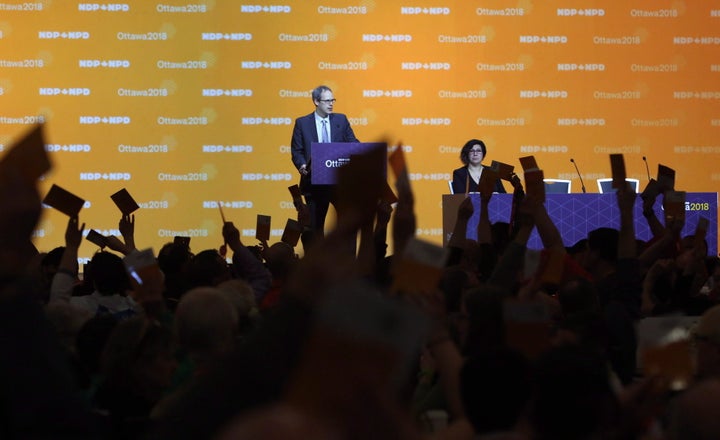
<point x="577" y="214"/>
<point x="327" y="157"/>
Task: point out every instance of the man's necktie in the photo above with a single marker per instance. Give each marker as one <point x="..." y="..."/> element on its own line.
<point x="325" y="137"/>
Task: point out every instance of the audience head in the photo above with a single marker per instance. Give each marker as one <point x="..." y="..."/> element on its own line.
<point x="139" y="358"/>
<point x="242" y="297"/>
<point x="50" y="262"/>
<point x="67" y="321"/>
<point x="572" y="397"/>
<point x="280" y="259"/>
<point x="478" y="259"/>
<point x="687" y="255"/>
<point x="581" y="320"/>
<point x="495" y="387"/>
<point x="484" y="326"/>
<point x="281" y="421"/>
<point x="578" y="250"/>
<point x="109" y="274"/>
<point x="208" y="268"/>
<point x="43" y="268"/>
<point x="602" y="247"/>
<point x="694" y="413"/>
<point x="712" y="266"/>
<point x="91" y="340"/>
<point x="587" y="329"/>
<point x="173" y="258"/>
<point x="206" y="323"/>
<point x="578" y="296"/>
<point x="688" y="242"/>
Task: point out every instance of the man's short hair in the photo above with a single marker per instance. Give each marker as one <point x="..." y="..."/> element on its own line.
<point x="205" y="321"/>
<point x="317" y="91"/>
<point x="604" y="241"/>
<point x="108" y="273"/>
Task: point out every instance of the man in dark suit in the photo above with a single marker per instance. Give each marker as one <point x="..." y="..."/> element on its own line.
<point x="322" y="125"/>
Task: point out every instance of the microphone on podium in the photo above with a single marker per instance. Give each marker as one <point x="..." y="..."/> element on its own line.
<point x="582" y="184"/>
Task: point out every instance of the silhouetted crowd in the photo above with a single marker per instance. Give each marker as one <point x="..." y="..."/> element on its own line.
<point x="502" y="342"/>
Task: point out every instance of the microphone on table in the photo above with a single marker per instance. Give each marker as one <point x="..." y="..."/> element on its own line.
<point x="582" y="184"/>
<point x="647" y="168"/>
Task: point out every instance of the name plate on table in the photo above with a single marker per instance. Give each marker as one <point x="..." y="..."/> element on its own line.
<point x="327" y="157"/>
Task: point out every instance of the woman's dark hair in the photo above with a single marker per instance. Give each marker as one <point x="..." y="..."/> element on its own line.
<point x="465" y="152"/>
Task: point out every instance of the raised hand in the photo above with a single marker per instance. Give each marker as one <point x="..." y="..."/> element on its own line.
<point x="127" y="229"/>
<point x="405" y="222"/>
<point x="626" y="197"/>
<point x="231" y="235"/>
<point x="383" y="212"/>
<point x="516" y="183"/>
<point x="626" y="202"/>
<point x="73" y="235"/>
<point x="68" y="261"/>
<point x="303" y="214"/>
<point x="485" y="198"/>
<point x="465" y="210"/>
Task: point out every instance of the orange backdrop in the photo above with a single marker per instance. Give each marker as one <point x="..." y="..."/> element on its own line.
<point x="190" y="104"/>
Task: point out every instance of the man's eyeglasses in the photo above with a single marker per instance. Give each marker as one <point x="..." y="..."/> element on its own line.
<point x="328" y="101"/>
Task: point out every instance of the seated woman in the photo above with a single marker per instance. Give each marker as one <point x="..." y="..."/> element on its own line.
<point x="466" y="178"/>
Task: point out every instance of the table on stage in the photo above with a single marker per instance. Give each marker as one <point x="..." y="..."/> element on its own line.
<point x="576" y="214"/>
